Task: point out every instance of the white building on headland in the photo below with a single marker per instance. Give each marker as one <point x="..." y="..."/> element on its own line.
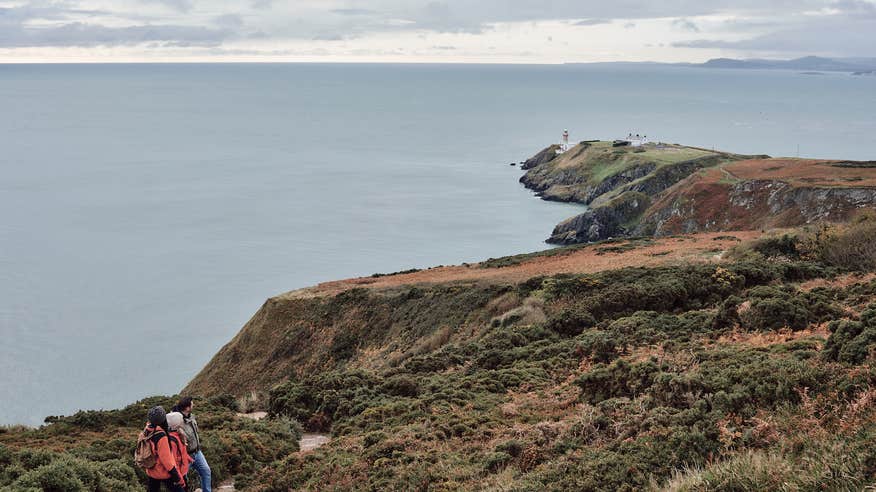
<point x="636" y="140"/>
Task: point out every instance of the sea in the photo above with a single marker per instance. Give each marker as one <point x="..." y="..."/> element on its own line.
<point x="148" y="210"/>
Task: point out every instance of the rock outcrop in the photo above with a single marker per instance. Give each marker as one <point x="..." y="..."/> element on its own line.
<point x="604" y="222"/>
<point x="660" y="190"/>
<point x="701" y="204"/>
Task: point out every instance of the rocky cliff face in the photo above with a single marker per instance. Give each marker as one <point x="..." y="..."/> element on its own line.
<point x="702" y="204"/>
<point x="660" y="190"/>
<point x="607" y="221"/>
<point x="545" y="155"/>
<point x="619" y="183"/>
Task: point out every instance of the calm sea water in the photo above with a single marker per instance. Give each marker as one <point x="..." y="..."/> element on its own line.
<point x="146" y="211"/>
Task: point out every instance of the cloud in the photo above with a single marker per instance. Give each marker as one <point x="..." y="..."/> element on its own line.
<point x="847" y="28"/>
<point x="845" y="40"/>
<point x="89" y="35"/>
<point x="592" y="22"/>
<point x="353" y="11"/>
<point x="839" y="27"/>
<point x="685" y="25"/>
<point x="229" y="21"/>
<point x="178" y="5"/>
<point x="328" y="37"/>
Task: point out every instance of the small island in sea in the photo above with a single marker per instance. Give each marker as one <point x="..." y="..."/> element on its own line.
<point x="708" y="323"/>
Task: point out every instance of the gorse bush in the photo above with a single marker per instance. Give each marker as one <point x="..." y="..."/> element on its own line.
<point x="852" y="341"/>
<point x="63" y="472"/>
<point x="850" y="246"/>
<point x="83" y="459"/>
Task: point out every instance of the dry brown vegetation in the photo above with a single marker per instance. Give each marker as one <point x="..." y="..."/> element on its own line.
<point x="803" y="172"/>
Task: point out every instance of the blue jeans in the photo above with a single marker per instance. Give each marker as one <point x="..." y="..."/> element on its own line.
<point x="203" y="470"/>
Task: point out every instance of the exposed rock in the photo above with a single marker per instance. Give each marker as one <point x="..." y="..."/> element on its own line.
<point x="754" y="204"/>
<point x="604" y="222"/>
<point x="545" y="155"/>
<point x="654" y="190"/>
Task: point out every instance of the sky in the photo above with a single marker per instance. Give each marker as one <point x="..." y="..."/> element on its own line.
<point x="459" y="31"/>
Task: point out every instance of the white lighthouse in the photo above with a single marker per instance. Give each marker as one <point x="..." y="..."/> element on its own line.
<point x="564" y="144"/>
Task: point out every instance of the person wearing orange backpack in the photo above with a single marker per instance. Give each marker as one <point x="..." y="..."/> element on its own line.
<point x="165" y="447"/>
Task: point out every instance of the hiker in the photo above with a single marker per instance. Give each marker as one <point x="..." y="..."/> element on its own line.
<point x="180" y="453"/>
<point x="190" y="429"/>
<point x="156" y="450"/>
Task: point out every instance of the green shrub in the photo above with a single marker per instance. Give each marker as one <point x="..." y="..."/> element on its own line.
<point x="344" y="345"/>
<point x="495" y="462"/>
<point x="852" y="341"/>
<point x="68" y="474"/>
<point x="571" y="322"/>
<point x="400" y="385"/>
<point x="773" y="308"/>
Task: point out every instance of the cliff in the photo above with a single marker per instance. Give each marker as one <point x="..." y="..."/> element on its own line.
<point x="606" y="366"/>
<point x="762" y="194"/>
<point x="662" y="189"/>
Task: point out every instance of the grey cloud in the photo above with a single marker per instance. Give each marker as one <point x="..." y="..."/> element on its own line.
<point x="17" y="29"/>
<point x="229" y="21"/>
<point x="829" y="37"/>
<point x="685" y="25"/>
<point x="353" y="12"/>
<point x="856" y="7"/>
<point x="178" y="5"/>
<point x="592" y="22"/>
<point x="779" y="24"/>
<point x="468" y="12"/>
<point x="86" y="35"/>
<point x="328" y="37"/>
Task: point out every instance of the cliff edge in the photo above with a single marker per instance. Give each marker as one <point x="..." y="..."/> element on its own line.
<point x="661" y="189"/>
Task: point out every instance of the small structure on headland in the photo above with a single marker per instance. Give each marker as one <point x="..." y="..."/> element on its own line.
<point x="633" y="140"/>
<point x="564" y="143"/>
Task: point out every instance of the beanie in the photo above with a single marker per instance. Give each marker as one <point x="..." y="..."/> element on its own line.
<point x="174" y="420"/>
<point x="157" y="416"/>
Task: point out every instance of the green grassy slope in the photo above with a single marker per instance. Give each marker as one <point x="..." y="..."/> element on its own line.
<point x="591" y="169"/>
<point x="756" y="373"/>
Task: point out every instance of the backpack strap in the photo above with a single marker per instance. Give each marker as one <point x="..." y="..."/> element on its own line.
<point x="157" y="435"/>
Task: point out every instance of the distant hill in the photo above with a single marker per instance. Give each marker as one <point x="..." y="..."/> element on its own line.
<point x="858" y="66"/>
<point x="805" y="63"/>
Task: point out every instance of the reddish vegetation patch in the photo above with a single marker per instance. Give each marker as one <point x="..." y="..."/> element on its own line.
<point x="804" y="172"/>
<point x="703" y="201"/>
<point x="669" y="250"/>
<point x="768" y="338"/>
<point x="838" y="283"/>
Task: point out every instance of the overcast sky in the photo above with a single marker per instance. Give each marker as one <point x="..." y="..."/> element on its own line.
<point x="509" y="31"/>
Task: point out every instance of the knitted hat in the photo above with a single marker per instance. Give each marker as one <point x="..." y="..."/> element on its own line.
<point x="174" y="420"/>
<point x="156" y="415"/>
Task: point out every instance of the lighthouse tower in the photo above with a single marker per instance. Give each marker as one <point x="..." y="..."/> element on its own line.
<point x="565" y="145"/>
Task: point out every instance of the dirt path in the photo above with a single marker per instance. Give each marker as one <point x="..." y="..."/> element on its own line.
<point x="309" y="442"/>
<point x="668" y="250"/>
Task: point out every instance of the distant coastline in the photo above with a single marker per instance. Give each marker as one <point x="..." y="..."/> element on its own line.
<point x="855" y="66"/>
